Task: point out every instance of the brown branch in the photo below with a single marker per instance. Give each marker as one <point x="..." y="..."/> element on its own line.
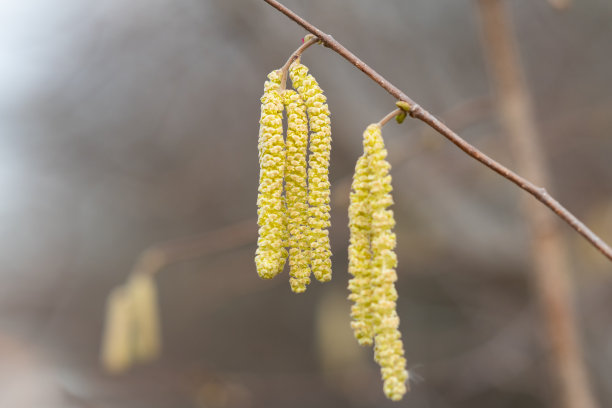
<point x="418" y="112"/>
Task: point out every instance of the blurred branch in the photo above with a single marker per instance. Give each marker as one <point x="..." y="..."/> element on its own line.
<point x="551" y="267"/>
<point x="560" y="4"/>
<point x="160" y="255"/>
<point x="420" y="113"/>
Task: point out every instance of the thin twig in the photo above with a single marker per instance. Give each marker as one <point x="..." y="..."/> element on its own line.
<point x="418" y="112"/>
<point x="296" y="54"/>
<point x="389" y="116"/>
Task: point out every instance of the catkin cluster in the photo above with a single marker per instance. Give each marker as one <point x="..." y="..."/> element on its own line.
<point x="294" y="191"/>
<point x="372" y="263"/>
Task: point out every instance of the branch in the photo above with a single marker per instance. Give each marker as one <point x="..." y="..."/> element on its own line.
<point x="549" y="261"/>
<point x="418" y="112"/>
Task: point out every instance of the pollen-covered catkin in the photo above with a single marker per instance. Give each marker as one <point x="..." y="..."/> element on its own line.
<point x="373" y="285"/>
<point x="318" y="170"/>
<point x="296" y="191"/>
<point x="360" y="254"/>
<point x="272" y="220"/>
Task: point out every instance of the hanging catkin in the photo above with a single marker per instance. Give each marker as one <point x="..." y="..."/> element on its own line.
<point x="296" y="191"/>
<point x="372" y="262"/>
<point x="360" y="253"/>
<point x="271" y="254"/>
<point x="318" y="170"/>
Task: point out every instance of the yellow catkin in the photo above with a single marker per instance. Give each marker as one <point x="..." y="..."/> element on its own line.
<point x="360" y="254"/>
<point x="272" y="220"/>
<point x="116" y="354"/>
<point x="296" y="191"/>
<point x="143" y="296"/>
<point x="318" y="170"/>
<point x="374" y="292"/>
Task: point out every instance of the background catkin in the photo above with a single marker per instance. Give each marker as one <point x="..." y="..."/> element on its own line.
<point x="318" y="169"/>
<point x="296" y="191"/>
<point x="143" y="295"/>
<point x="116" y="353"/>
<point x="373" y="285"/>
<point x="132" y="328"/>
<point x="271" y="253"/>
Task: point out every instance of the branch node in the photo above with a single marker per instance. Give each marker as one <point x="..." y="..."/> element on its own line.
<point x="405" y="108"/>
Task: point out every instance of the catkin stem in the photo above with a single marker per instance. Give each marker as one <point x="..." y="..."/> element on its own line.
<point x="296" y="54"/>
<point x="389" y="116"/>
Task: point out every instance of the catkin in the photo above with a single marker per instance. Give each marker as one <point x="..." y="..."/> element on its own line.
<point x="318" y="170"/>
<point x="372" y="261"/>
<point x="132" y="329"/>
<point x="271" y="212"/>
<point x="143" y="296"/>
<point x="116" y="354"/>
<point x="296" y="191"/>
<point x="360" y="254"/>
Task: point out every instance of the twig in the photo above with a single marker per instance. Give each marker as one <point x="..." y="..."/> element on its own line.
<point x="296" y="54"/>
<point x="550" y="265"/>
<point x="420" y="113"/>
<point x="389" y="116"/>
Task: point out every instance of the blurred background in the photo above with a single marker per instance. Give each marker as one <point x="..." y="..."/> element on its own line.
<point x="128" y="125"/>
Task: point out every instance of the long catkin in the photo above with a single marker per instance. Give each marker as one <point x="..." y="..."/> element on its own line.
<point x="271" y="213"/>
<point x="360" y="253"/>
<point x="372" y="261"/>
<point x="318" y="170"/>
<point x="296" y="191"/>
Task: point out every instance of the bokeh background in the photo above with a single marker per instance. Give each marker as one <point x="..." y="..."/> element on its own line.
<point x="124" y="125"/>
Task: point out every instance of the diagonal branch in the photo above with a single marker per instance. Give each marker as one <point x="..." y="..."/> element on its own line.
<point x="418" y="112"/>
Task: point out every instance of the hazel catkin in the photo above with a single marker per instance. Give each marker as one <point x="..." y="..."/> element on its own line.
<point x="372" y="262"/>
<point x="296" y="191"/>
<point x="360" y="254"/>
<point x="318" y="169"/>
<point x="271" y="253"/>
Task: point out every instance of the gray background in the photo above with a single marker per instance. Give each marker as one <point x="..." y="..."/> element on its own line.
<point x="124" y="124"/>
